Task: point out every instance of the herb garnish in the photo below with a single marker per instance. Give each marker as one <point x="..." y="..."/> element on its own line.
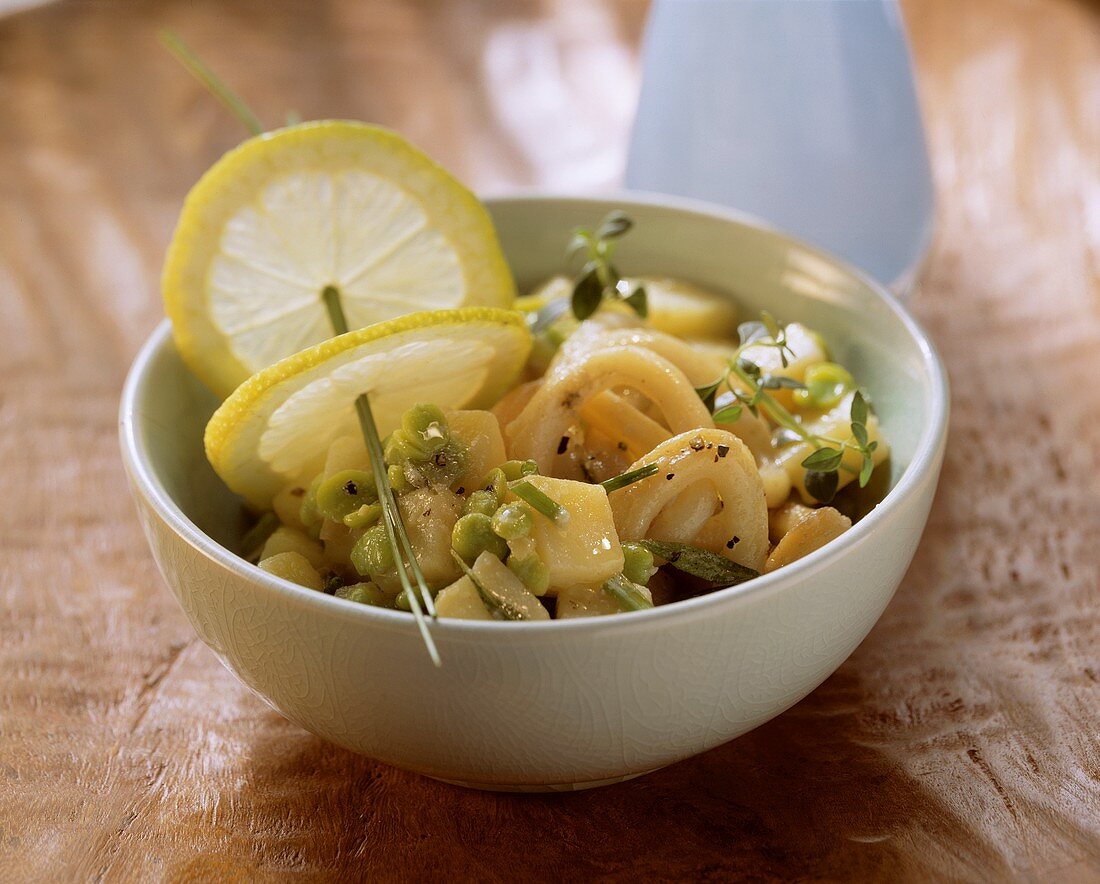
<point x="699" y="562"/>
<point x="598" y="279"/>
<point x="626" y="594"/>
<point x="172" y="42"/>
<point x="827" y="459"/>
<point x="629" y="477"/>
<point x="540" y="501"/>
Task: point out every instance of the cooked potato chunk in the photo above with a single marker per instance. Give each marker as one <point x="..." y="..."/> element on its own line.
<point x="589" y="601"/>
<point x="461" y="601"/>
<point x="811" y="533"/>
<point x="429" y="516"/>
<point x="480" y="431"/>
<point x="288" y="506"/>
<point x="285" y="539"/>
<point x="584" y="550"/>
<point x="294" y="567"/>
<point x="502" y="584"/>
<point x="783" y="519"/>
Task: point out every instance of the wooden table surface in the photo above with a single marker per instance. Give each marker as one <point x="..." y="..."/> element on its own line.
<point x="959" y="741"/>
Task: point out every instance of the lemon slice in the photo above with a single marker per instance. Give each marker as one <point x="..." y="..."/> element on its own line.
<point x="331" y="203"/>
<point x="276" y="428"/>
<point x="677" y="307"/>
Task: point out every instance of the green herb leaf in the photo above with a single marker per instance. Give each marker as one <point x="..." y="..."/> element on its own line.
<point x="751" y="332"/>
<point x="638" y="302"/>
<point x="822" y="485"/>
<point x="859" y="431"/>
<point x="587" y="294"/>
<point x="866" y="470"/>
<point x="784" y="436"/>
<point x="708" y="393"/>
<point x="582" y="239"/>
<point x="727" y="415"/>
<point x="614" y="224"/>
<point x="824" y="459"/>
<point x="749" y="367"/>
<point x="699" y="562"/>
<point x="859" y="409"/>
<point x="396" y="535"/>
<point x="778" y="381"/>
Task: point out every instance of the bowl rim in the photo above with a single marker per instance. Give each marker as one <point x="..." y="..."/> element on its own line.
<point x="925" y="457"/>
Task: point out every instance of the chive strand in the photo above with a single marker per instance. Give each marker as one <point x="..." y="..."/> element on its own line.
<point x="366" y="421"/>
<point x="398" y="538"/>
<point x="195" y="66"/>
<point x="626" y="594"/>
<point x="541" y="502"/>
<point x="629" y="477"/>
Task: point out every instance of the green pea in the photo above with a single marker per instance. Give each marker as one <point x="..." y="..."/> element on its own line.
<point x="308" y="512"/>
<point x="512" y="521"/>
<point x="426" y="427"/>
<point x="372" y="554"/>
<point x="637" y="563"/>
<point x="518" y="469"/>
<point x="401" y="602"/>
<point x="446" y="464"/>
<point x="364" y="517"/>
<point x="532" y="570"/>
<point x="484" y="502"/>
<point x="345" y="492"/>
<point x="364" y="594"/>
<point x="398" y="481"/>
<point x="399" y="448"/>
<point x="473" y="535"/>
<point x="496" y="482"/>
<point x="826" y="384"/>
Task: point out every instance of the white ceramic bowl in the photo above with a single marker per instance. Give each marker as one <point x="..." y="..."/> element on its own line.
<point x="570" y="704"/>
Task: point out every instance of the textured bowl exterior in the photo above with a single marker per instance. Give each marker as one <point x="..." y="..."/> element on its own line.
<point x="554" y="705"/>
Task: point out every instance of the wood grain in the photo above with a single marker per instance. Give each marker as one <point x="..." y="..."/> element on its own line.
<point x="959" y="742"/>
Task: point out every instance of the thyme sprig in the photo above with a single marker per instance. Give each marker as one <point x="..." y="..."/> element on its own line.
<point x="827" y="458"/>
<point x="599" y="280"/>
